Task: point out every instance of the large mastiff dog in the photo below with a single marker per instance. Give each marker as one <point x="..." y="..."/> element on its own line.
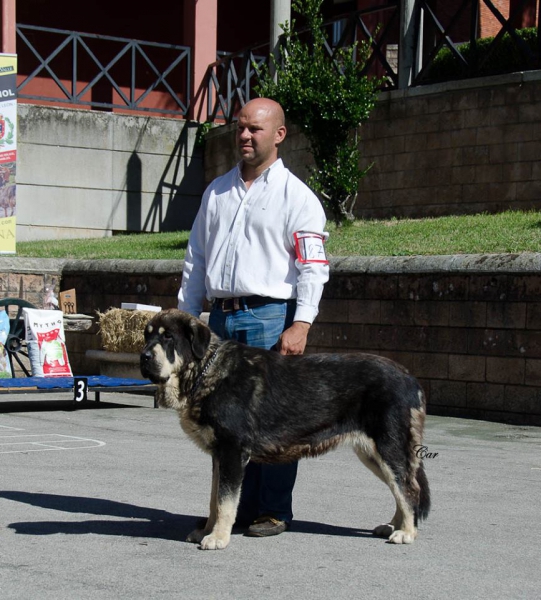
<point x="240" y="403"/>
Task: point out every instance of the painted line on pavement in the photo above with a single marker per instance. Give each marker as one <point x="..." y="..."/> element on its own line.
<point x="12" y="444"/>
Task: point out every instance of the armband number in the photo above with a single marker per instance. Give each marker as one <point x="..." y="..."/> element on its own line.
<point x="309" y="247"/>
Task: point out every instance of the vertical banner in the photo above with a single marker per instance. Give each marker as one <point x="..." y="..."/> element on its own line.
<point x="8" y="151"/>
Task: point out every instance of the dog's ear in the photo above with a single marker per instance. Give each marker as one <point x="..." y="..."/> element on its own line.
<point x="199" y="338"/>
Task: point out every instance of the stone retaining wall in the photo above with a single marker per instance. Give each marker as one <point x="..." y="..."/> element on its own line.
<point x="469" y="327"/>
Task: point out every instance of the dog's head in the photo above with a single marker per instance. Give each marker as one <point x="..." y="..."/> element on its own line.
<point x="175" y="343"/>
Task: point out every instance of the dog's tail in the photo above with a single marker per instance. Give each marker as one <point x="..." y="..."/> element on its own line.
<point x="423" y="508"/>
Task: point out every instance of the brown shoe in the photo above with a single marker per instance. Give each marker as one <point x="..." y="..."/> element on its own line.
<point x="266" y="526"/>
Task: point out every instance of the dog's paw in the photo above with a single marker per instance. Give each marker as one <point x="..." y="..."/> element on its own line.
<point x="196" y="536"/>
<point x="385" y="530"/>
<point x="215" y="542"/>
<point x="402" y="537"/>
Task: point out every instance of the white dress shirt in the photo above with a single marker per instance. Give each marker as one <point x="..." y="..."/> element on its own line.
<point x="242" y="242"/>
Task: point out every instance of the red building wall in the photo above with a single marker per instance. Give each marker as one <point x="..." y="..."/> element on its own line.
<point x="242" y="23"/>
<point x="525" y="16"/>
<point x="488" y="24"/>
<point x="119" y="18"/>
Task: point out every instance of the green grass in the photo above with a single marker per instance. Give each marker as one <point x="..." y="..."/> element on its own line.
<point x="508" y="232"/>
<point x="135" y="246"/>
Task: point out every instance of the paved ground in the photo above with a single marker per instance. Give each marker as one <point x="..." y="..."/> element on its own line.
<point x="95" y="504"/>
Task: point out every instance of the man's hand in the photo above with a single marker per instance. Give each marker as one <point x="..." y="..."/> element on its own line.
<point x="293" y="340"/>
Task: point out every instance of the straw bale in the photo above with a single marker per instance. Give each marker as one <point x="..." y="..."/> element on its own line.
<point x="122" y="330"/>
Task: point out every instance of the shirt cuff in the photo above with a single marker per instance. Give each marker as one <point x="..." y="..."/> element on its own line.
<point x="305" y="313"/>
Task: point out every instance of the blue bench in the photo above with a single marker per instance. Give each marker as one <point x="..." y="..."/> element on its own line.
<point x="78" y="386"/>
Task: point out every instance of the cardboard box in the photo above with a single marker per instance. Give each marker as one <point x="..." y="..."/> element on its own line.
<point x="68" y="302"/>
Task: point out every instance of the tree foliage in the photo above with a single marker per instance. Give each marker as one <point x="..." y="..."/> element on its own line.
<point x="328" y="97"/>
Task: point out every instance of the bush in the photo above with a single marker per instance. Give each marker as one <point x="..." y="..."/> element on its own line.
<point x="328" y="98"/>
<point x="506" y="57"/>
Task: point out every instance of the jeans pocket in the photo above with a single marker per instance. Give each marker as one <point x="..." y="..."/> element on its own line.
<point x="275" y="310"/>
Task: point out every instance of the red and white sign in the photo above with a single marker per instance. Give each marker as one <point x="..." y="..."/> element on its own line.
<point x="309" y="247"/>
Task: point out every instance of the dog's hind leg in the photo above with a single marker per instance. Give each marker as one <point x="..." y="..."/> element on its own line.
<point x="401" y="529"/>
<point x="227" y="482"/>
<point x="386" y="529"/>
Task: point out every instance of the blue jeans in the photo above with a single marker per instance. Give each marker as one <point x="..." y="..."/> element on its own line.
<point x="266" y="489"/>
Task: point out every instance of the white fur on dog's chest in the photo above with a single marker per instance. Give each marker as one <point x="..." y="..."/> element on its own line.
<point x="203" y="437"/>
<point x="170" y="396"/>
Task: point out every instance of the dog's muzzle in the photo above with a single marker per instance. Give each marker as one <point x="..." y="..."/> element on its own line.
<point x="147" y="366"/>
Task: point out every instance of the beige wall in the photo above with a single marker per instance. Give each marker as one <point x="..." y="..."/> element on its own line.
<point x="89" y="174"/>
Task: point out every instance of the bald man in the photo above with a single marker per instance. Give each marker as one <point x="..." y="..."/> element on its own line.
<point x="256" y="253"/>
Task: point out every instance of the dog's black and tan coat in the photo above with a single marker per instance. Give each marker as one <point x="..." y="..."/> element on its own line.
<point x="240" y="403"/>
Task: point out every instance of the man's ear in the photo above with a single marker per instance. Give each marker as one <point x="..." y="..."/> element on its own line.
<point x="280" y="134"/>
<point x="199" y="338"/>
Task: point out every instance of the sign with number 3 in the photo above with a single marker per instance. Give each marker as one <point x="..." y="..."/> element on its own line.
<point x="80" y="389"/>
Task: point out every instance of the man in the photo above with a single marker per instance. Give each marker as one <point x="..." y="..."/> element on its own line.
<point x="256" y="253"/>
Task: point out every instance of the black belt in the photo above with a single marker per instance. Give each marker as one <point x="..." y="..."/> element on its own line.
<point x="244" y="302"/>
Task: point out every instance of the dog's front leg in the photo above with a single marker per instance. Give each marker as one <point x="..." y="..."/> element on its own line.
<point x="229" y="472"/>
<point x="198" y="534"/>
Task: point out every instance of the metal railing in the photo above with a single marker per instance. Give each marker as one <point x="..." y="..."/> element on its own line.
<point x="231" y="80"/>
<point x="375" y="27"/>
<point x="105" y="72"/>
<point x="102" y="71"/>
<point x="433" y="37"/>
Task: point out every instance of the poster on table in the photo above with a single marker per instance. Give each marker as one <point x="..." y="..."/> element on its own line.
<point x="8" y="152"/>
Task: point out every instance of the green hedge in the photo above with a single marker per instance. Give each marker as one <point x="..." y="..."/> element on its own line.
<point x="505" y="58"/>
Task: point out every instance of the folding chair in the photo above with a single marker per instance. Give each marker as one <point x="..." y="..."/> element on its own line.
<point x="16" y="342"/>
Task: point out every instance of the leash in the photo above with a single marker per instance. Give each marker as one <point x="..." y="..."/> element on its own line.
<point x="202" y="374"/>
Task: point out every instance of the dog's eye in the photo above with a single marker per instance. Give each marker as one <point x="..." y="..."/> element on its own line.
<point x="167" y="335"/>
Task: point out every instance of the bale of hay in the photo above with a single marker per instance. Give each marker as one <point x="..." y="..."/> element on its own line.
<point x="122" y="330"/>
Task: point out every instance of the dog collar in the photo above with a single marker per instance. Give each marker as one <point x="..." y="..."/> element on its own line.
<point x="202" y="374"/>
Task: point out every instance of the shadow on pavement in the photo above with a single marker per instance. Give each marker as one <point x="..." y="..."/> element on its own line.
<point x="140" y="521"/>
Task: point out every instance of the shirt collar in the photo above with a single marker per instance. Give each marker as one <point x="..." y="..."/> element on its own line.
<point x="267" y="174"/>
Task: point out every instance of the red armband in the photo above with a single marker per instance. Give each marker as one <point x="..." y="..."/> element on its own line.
<point x="309" y="247"/>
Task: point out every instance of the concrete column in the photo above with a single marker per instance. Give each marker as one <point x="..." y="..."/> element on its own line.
<point x="406" y="44"/>
<point x="200" y="33"/>
<point x="280" y="13"/>
<point x="9" y="34"/>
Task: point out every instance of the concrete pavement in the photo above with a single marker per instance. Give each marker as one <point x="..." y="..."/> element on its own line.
<point x="96" y="503"/>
